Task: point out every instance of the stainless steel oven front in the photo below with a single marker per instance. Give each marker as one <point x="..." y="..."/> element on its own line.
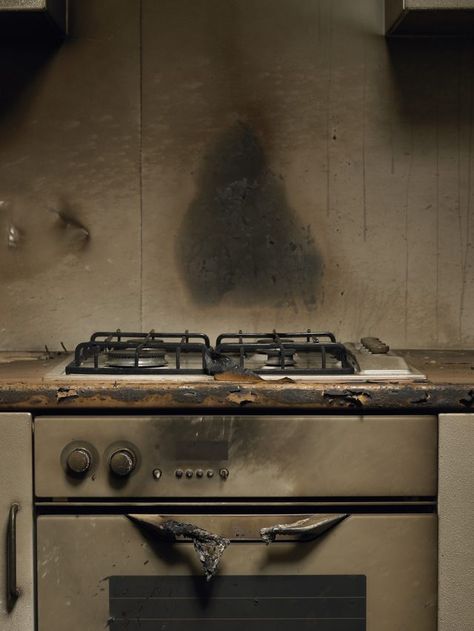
<point x="329" y="522"/>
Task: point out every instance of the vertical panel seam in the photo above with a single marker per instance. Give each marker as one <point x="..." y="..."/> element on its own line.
<point x="140" y="157"/>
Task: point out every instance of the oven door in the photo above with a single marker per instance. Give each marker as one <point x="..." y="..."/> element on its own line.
<point x="367" y="573"/>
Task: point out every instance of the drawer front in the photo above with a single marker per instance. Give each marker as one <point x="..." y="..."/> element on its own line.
<point x="265" y="456"/>
<point x="369" y="573"/>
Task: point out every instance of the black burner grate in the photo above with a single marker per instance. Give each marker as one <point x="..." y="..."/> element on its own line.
<point x="328" y="357"/>
<point x="91" y="357"/>
<point x="301" y="353"/>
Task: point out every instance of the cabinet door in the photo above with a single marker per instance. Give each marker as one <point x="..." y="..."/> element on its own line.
<point x="16" y="523"/>
<point x="456" y="522"/>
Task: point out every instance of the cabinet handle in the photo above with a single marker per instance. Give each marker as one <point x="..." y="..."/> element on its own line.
<point x="13" y="591"/>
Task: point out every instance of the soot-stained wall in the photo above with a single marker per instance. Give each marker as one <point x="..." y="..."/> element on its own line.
<point x="242" y="164"/>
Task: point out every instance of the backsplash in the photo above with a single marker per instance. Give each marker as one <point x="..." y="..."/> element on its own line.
<point x="221" y="165"/>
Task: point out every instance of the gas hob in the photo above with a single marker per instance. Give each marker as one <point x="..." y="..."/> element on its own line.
<point x="188" y="356"/>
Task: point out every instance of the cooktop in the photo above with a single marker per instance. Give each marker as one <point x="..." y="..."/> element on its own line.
<point x="304" y="355"/>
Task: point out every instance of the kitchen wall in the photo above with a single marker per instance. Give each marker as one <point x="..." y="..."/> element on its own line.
<point x="228" y="164"/>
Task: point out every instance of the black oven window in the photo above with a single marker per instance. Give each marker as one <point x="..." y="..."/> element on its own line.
<point x="238" y="603"/>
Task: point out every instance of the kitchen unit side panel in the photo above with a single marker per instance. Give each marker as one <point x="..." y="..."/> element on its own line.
<point x="456" y="522"/>
<point x="16" y="487"/>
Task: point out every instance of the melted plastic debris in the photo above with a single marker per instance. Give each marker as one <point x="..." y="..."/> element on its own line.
<point x="305" y="529"/>
<point x="219" y="363"/>
<point x="208" y="546"/>
<point x="224" y="368"/>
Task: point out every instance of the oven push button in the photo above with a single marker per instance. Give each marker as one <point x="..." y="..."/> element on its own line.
<point x="224" y="473"/>
<point x="122" y="462"/>
<point x="79" y="461"/>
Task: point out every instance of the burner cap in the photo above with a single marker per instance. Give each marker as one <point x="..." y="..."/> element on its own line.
<point x="147" y="358"/>
<point x="274" y="354"/>
<point x="274" y="357"/>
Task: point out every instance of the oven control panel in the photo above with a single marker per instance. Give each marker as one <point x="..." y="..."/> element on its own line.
<point x="177" y="456"/>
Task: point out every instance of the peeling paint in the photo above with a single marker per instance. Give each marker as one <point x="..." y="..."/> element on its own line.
<point x="66" y="393"/>
<point x="469" y="401"/>
<point x="424" y="398"/>
<point x="356" y="398"/>
<point x="240" y="398"/>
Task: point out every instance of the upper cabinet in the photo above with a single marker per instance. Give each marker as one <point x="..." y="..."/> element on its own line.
<point x="441" y="18"/>
<point x="33" y="21"/>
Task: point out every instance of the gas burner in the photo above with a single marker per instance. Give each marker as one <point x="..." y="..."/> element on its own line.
<point x="137" y="356"/>
<point x="278" y="358"/>
<point x="141" y="353"/>
<point x="145" y="358"/>
<point x="317" y="353"/>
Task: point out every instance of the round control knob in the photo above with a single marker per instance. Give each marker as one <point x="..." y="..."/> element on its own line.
<point x="79" y="461"/>
<point x="122" y="462"/>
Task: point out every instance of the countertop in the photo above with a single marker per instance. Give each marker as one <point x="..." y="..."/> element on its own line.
<point x="26" y="384"/>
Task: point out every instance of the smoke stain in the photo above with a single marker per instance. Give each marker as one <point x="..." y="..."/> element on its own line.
<point x="239" y="237"/>
<point x="70" y="227"/>
<point x="34" y="242"/>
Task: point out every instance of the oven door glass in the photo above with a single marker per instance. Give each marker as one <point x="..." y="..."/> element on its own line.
<point x="368" y="573"/>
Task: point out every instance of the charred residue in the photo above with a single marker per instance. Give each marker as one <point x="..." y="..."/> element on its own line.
<point x="70" y="227"/>
<point x="239" y="237"/>
<point x="468" y="402"/>
<point x="208" y="546"/>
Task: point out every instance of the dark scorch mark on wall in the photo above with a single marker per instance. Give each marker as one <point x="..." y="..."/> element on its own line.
<point x="239" y="235"/>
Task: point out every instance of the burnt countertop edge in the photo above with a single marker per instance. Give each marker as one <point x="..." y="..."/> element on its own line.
<point x="427" y="397"/>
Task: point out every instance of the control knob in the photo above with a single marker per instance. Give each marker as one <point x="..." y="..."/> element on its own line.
<point x="79" y="461"/>
<point x="122" y="462"/>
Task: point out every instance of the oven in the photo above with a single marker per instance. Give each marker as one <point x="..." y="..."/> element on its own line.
<point x="221" y="521"/>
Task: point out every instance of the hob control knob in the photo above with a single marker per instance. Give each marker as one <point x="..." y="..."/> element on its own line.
<point x="79" y="461"/>
<point x="224" y="473"/>
<point x="122" y="462"/>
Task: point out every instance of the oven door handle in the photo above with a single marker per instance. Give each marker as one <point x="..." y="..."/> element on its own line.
<point x="13" y="592"/>
<point x="306" y="529"/>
